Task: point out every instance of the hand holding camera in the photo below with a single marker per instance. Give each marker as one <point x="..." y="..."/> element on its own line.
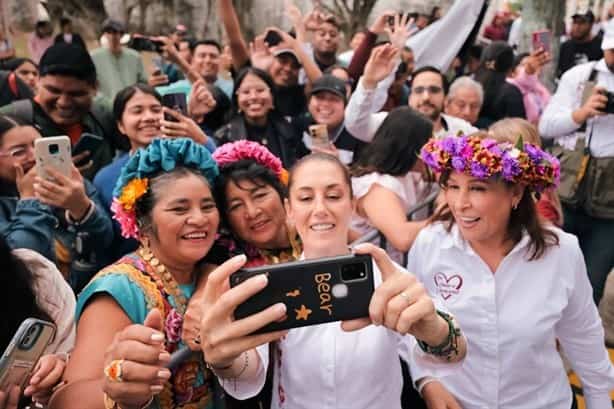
<point x="65" y="192"/>
<point x="25" y="182"/>
<point x="596" y="101"/>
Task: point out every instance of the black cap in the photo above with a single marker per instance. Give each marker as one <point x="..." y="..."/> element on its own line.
<point x="70" y="60"/>
<point x="586" y="15"/>
<point x="110" y="25"/>
<point x="330" y="83"/>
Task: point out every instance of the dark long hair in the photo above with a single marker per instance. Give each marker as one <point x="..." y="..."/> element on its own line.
<point x="497" y="60"/>
<point x="242" y="171"/>
<point x="396" y="145"/>
<point x="263" y="75"/>
<point x="126" y="94"/>
<point x="523" y="218"/>
<point x="16" y="279"/>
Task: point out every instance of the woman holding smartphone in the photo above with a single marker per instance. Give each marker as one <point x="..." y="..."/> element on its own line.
<point x="49" y="216"/>
<point x="37" y="290"/>
<point x="318" y="366"/>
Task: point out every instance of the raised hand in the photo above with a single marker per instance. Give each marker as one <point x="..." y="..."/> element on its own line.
<point x="382" y="62"/>
<point x="135" y="363"/>
<point x="260" y="54"/>
<point x="223" y="339"/>
<point x="183" y="126"/>
<point x="64" y="192"/>
<point x="381" y="22"/>
<point x="201" y="101"/>
<point x="399" y="32"/>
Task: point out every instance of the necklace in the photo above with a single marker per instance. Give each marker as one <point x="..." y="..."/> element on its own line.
<point x="169" y="284"/>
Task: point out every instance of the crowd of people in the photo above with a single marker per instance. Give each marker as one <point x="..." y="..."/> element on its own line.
<point x="486" y="296"/>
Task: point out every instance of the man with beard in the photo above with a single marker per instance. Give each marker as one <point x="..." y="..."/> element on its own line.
<point x="580" y="112"/>
<point x="64" y="105"/>
<point x="582" y="46"/>
<point x="428" y="93"/>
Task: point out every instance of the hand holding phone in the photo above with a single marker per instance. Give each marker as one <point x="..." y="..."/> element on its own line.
<point x="314" y="291"/>
<point x="219" y="302"/>
<point x="319" y="136"/>
<point x="53" y="152"/>
<point x="542" y="39"/>
<point x="176" y="101"/>
<point x="24" y="351"/>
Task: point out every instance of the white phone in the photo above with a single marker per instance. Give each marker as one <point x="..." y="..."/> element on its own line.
<point x="53" y="152"/>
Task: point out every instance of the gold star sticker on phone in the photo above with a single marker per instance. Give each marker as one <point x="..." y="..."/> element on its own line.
<point x="294" y="293"/>
<point x="303" y="313"/>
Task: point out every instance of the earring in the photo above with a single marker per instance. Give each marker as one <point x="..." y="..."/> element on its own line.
<point x="515" y="206"/>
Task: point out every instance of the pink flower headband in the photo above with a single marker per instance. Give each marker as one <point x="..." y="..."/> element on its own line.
<point x="485" y="158"/>
<point x="244" y="149"/>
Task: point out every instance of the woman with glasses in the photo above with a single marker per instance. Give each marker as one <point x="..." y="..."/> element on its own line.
<point x="35" y="210"/>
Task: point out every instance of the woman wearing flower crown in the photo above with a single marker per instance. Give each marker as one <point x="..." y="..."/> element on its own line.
<point x="134" y="308"/>
<point x="516" y="284"/>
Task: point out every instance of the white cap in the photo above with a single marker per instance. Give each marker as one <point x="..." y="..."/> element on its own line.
<point x="608" y="35"/>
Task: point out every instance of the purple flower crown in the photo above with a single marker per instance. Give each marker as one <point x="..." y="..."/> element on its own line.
<point x="485" y="158"/>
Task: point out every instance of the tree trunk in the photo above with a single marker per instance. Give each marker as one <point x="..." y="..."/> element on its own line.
<point x="544" y="15"/>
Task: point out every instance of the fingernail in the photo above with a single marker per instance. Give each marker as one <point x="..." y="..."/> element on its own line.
<point x="164" y="374"/>
<point x="164" y="356"/>
<point x="263" y="279"/>
<point x="157" y="337"/>
<point x="241" y="258"/>
<point x="156" y="388"/>
<point x="280" y="308"/>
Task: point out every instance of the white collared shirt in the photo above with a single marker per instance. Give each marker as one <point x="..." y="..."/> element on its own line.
<point x="324" y="367"/>
<point x="511" y="320"/>
<point x="557" y="122"/>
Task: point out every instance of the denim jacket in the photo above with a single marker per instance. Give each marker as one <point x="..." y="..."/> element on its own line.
<point x="30" y="224"/>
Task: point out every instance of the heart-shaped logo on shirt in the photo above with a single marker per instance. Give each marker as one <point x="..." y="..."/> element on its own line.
<point x="448" y="286"/>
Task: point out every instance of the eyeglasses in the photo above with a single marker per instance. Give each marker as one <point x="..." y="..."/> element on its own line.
<point x="18" y="152"/>
<point x="432" y="89"/>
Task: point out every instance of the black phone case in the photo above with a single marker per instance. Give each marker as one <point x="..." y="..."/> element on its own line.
<point x="177" y="102"/>
<point x="307" y="289"/>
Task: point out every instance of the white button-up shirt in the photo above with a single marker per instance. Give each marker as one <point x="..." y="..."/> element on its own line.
<point x="512" y="319"/>
<point x="324" y="367"/>
<point x="557" y="122"/>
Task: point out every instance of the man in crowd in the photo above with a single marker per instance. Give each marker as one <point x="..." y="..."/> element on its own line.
<point x="465" y="99"/>
<point x="327" y="102"/>
<point x="582" y="46"/>
<point x="116" y="65"/>
<point x="580" y="115"/>
<point x="325" y="42"/>
<point x="64" y="104"/>
<point x="428" y="93"/>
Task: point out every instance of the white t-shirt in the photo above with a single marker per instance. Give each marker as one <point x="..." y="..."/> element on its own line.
<point x="324" y="367"/>
<point x="512" y="320"/>
<point x="409" y="188"/>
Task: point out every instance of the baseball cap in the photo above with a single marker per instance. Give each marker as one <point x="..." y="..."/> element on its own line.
<point x="110" y="25"/>
<point x="330" y="83"/>
<point x="608" y="36"/>
<point x="287" y="51"/>
<point x="69" y="60"/>
<point x="584" y="14"/>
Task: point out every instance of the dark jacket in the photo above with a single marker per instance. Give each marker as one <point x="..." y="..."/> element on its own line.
<point x="99" y="121"/>
<point x="279" y="136"/>
<point x="508" y="102"/>
<point x="29" y="224"/>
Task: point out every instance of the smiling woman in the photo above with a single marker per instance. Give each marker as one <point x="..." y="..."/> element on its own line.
<point x="518" y="285"/>
<point x="144" y="295"/>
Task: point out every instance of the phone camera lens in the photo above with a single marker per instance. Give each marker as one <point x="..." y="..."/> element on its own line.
<point x="54" y="148"/>
<point x="353" y="272"/>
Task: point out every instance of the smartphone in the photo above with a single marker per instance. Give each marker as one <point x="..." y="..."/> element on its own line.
<point x="314" y="291"/>
<point x="24" y="351"/>
<point x="176" y="101"/>
<point x="542" y="39"/>
<point x="319" y="135"/>
<point x="87" y="142"/>
<point x="53" y="152"/>
<point x="272" y="38"/>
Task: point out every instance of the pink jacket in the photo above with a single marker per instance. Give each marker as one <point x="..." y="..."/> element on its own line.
<point x="535" y="96"/>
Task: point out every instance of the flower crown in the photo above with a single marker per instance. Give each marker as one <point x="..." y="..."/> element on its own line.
<point x="485" y="158"/>
<point x="161" y="155"/>
<point x="244" y="149"/>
